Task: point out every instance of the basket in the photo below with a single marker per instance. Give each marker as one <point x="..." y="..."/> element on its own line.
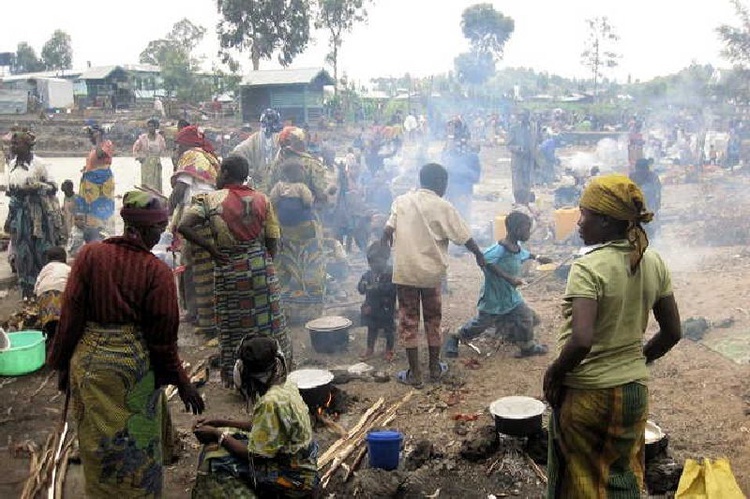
<point x="25" y="355"/>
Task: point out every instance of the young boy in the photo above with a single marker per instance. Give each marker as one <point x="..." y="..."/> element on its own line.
<point x="423" y="223"/>
<point x="75" y="239"/>
<point x="49" y="288"/>
<point x="379" y="309"/>
<point x="69" y="206"/>
<point x="500" y="302"/>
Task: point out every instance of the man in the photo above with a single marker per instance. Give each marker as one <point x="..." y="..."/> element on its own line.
<point x="423" y="223"/>
<point x="521" y="145"/>
<point x="650" y="184"/>
<point x="464" y="171"/>
<point x="261" y="148"/>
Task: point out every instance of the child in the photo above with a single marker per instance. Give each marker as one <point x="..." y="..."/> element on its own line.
<point x="69" y="206"/>
<point x="49" y="288"/>
<point x="378" y="311"/>
<point x="291" y="197"/>
<point x="75" y="240"/>
<point x="500" y="303"/>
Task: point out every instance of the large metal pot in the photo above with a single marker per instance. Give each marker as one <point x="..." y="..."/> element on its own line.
<point x="656" y="441"/>
<point x="329" y="334"/>
<point x="517" y="416"/>
<point x="314" y="385"/>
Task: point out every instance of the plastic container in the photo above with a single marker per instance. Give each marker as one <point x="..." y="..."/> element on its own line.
<point x="499" y="228"/>
<point x="384" y="448"/>
<point x="566" y="221"/>
<point x="26" y="353"/>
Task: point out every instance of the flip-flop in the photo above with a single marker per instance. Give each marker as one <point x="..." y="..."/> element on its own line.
<point x="404" y="377"/>
<point x="443" y="370"/>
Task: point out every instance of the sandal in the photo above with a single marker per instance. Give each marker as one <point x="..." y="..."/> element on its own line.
<point x="405" y="378"/>
<point x="532" y="351"/>
<point x="435" y="377"/>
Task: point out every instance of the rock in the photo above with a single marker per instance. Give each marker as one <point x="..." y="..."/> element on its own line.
<point x="379" y="484"/>
<point x="695" y="328"/>
<point x="380" y="377"/>
<point x="480" y="445"/>
<point x="663" y="476"/>
<point x="726" y="323"/>
<point x="360" y="368"/>
<point x="536" y="447"/>
<point x="423" y="452"/>
<point x="341" y="377"/>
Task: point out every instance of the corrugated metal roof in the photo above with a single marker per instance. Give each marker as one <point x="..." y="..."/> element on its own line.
<point x="98" y="73"/>
<point x="41" y="74"/>
<point x="286" y="77"/>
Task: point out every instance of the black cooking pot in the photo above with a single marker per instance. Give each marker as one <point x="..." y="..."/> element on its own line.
<point x="517" y="416"/>
<point x="656" y="441"/>
<point x="329" y="334"/>
<point x="314" y="385"/>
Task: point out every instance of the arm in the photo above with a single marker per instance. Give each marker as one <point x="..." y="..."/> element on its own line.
<point x="178" y="194"/>
<point x="137" y="148"/>
<point x="497" y="271"/>
<point x="187" y="229"/>
<point x="362" y="285"/>
<point x="576" y="349"/>
<point x="471" y="245"/>
<point x="668" y="316"/>
<point x="272" y="229"/>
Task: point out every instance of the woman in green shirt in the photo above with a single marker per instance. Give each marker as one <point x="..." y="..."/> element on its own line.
<point x="597" y="386"/>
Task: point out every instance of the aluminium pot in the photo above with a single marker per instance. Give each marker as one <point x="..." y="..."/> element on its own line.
<point x="314" y="385"/>
<point x="517" y="416"/>
<point x="329" y="334"/>
<point x="656" y="441"/>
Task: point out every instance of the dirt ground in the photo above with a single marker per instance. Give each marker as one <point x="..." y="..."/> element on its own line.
<point x="700" y="398"/>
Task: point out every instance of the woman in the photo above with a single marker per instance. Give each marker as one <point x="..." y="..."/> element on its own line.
<point x="597" y="386"/>
<point x="302" y="262"/>
<point x="275" y="455"/>
<point x="116" y="347"/>
<point x="148" y="150"/>
<point x="34" y="217"/>
<point x="196" y="172"/>
<point x="293" y="147"/>
<point x="242" y="239"/>
<point x="97" y="191"/>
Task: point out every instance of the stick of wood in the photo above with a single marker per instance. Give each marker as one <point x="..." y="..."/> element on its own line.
<point x="63" y="469"/>
<point x="333" y="425"/>
<point x="56" y="462"/>
<point x="355" y="464"/>
<point x="41" y="386"/>
<point x="539" y="473"/>
<point x="327" y="456"/>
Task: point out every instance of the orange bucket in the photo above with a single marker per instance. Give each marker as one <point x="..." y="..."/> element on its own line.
<point x="566" y="221"/>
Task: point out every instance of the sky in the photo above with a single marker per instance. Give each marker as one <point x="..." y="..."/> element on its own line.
<point x="422" y="37"/>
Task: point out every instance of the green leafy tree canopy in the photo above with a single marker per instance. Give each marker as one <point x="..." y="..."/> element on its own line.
<point x="486" y="29"/>
<point x="26" y="59"/>
<point x="57" y="52"/>
<point x="265" y="28"/>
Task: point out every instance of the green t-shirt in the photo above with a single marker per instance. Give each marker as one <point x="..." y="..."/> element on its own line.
<point x="624" y="302"/>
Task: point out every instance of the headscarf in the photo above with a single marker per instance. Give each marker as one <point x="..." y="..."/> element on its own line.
<point x="23" y="136"/>
<point x="259" y="363"/>
<point x="293" y="138"/>
<point x="191" y="136"/>
<point x="619" y="197"/>
<point x="143" y="209"/>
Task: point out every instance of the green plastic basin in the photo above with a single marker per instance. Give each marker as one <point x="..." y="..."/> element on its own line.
<point x="25" y="355"/>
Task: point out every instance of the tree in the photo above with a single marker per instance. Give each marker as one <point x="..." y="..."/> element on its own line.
<point x="26" y="59"/>
<point x="486" y="29"/>
<point x="737" y="50"/>
<point x="173" y="55"/>
<point x="57" y="52"/>
<point x="599" y="50"/>
<point x="339" y="17"/>
<point x="265" y="28"/>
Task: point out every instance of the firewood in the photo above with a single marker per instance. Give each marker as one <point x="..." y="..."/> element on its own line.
<point x="328" y="455"/>
<point x="63" y="469"/>
<point x="332" y="425"/>
<point x="539" y="473"/>
<point x="355" y="464"/>
<point x="42" y="385"/>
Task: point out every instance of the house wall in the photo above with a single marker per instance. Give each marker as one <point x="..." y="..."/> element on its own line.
<point x="297" y="103"/>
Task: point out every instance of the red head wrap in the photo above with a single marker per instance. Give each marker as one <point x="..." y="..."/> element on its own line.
<point x="191" y="136"/>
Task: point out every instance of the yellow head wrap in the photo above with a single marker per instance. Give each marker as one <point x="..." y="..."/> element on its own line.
<point x="619" y="197"/>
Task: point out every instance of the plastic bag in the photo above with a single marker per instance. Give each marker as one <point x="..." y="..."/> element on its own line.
<point x="708" y="480"/>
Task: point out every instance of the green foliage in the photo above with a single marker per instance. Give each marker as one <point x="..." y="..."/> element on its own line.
<point x="599" y="49"/>
<point x="173" y="55"/>
<point x="737" y="38"/>
<point x="265" y="28"/>
<point x="474" y="67"/>
<point x="486" y="29"/>
<point x="57" y="52"/>
<point x="26" y="59"/>
<point x="339" y="17"/>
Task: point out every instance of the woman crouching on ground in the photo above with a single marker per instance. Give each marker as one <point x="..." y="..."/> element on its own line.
<point x="244" y="240"/>
<point x="597" y="386"/>
<point x="275" y="455"/>
<point x="116" y="346"/>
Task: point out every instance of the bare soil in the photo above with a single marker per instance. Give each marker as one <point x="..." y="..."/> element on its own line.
<point x="698" y="397"/>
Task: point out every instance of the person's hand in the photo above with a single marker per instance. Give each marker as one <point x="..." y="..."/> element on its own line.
<point x="517" y="283"/>
<point x="206" y="434"/>
<point x="481" y="262"/>
<point x="543" y="260"/>
<point x="209" y="422"/>
<point x="191" y="398"/>
<point x="553" y="388"/>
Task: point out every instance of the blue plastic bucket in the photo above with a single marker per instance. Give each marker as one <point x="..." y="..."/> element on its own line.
<point x="383" y="449"/>
<point x="25" y="355"/>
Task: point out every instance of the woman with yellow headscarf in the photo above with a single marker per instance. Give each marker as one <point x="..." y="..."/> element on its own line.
<point x="597" y="385"/>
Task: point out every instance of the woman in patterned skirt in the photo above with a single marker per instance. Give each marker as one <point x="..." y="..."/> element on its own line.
<point x="244" y="240"/>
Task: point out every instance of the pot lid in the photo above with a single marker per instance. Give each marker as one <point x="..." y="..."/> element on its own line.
<point x="306" y="379"/>
<point x="517" y="407"/>
<point x="329" y="323"/>
<point x="653" y="432"/>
